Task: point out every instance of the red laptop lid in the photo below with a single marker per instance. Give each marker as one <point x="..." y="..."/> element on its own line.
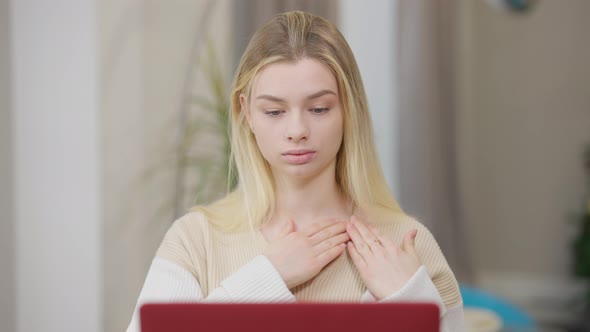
<point x="308" y="317"/>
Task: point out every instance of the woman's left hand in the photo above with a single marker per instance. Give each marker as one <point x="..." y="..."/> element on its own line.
<point x="384" y="266"/>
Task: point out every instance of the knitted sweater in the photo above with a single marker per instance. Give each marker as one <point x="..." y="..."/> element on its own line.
<point x="198" y="262"/>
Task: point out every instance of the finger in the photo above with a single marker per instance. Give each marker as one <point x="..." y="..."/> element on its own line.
<point x="365" y="232"/>
<point x="384" y="240"/>
<point x="359" y="243"/>
<point x="288" y="228"/>
<point x="409" y="241"/>
<point x="331" y="254"/>
<point x="357" y="259"/>
<point x="328" y="233"/>
<point x="318" y="226"/>
<point x="331" y="242"/>
<point x="354" y="234"/>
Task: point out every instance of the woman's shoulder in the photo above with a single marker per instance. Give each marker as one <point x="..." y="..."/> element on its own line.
<point x="391" y="220"/>
<point x="194" y="230"/>
<point x="193" y="220"/>
<point x="190" y="225"/>
<point x="185" y="238"/>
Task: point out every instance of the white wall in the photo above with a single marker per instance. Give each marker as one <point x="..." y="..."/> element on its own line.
<point x="524" y="97"/>
<point x="7" y="280"/>
<point x="376" y="58"/>
<point x="57" y="215"/>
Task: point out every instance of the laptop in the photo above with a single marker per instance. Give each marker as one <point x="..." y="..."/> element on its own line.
<point x="290" y="317"/>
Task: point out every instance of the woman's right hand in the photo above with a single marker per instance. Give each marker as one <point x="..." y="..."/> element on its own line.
<point x="300" y="255"/>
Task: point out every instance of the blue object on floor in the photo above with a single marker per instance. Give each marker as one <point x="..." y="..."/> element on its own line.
<point x="512" y="317"/>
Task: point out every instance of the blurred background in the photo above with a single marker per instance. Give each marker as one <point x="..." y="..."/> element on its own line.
<point x="112" y="126"/>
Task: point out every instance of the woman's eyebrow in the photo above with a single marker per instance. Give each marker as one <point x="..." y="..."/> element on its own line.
<point x="320" y="93"/>
<point x="271" y="98"/>
<point x="310" y="97"/>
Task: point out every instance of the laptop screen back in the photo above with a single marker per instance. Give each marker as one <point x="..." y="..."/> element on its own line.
<point x="306" y="317"/>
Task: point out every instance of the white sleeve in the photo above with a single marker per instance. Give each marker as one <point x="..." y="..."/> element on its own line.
<point x="453" y="320"/>
<point x="257" y="281"/>
<point x="420" y="288"/>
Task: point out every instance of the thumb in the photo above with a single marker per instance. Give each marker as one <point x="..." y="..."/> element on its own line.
<point x="289" y="227"/>
<point x="409" y="241"/>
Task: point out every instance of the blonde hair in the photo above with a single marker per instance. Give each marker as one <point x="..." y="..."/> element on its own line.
<point x="289" y="37"/>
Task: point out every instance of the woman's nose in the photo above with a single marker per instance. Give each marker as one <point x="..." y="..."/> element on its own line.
<point x="297" y="127"/>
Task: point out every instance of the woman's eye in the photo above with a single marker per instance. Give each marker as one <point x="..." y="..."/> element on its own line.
<point x="273" y="113"/>
<point x="320" y="110"/>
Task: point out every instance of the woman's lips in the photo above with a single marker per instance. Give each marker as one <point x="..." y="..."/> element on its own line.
<point x="299" y="157"/>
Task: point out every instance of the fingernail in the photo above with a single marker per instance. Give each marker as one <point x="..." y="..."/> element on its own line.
<point x="415" y="233"/>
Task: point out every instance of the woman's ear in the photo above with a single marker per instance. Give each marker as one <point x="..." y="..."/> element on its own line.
<point x="244" y="108"/>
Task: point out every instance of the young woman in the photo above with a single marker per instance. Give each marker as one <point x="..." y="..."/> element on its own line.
<point x="312" y="218"/>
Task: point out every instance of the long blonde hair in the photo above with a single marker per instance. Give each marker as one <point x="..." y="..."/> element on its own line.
<point x="289" y="37"/>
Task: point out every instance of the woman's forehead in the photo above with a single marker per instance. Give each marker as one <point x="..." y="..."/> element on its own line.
<point x="294" y="80"/>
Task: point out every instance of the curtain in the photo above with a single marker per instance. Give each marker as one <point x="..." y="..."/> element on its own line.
<point x="428" y="172"/>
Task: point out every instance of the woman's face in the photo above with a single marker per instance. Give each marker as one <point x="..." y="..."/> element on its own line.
<point x="295" y="114"/>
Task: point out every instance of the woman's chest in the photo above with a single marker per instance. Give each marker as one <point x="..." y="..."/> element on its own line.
<point x="338" y="281"/>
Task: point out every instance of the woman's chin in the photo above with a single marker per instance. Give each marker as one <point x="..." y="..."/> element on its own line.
<point x="306" y="172"/>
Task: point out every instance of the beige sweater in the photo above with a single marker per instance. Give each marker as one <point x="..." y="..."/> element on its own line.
<point x="212" y="255"/>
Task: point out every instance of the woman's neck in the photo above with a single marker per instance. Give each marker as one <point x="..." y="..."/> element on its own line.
<point x="309" y="201"/>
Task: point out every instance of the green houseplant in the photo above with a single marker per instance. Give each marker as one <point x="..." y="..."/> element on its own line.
<point x="581" y="243"/>
<point x="195" y="160"/>
<point x="210" y="128"/>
